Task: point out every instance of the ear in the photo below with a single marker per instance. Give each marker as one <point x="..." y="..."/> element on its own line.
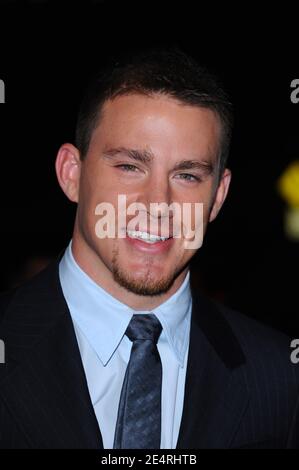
<point x="68" y="168"/>
<point x="221" y="194"/>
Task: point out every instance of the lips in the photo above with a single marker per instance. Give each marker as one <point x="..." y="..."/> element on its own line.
<point x="150" y="248"/>
<point x="146" y="236"/>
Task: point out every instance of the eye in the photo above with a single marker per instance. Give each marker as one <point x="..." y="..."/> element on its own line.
<point x="127" y="167"/>
<point x="188" y="177"/>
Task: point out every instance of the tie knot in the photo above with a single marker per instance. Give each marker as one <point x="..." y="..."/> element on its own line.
<point x="144" y="327"/>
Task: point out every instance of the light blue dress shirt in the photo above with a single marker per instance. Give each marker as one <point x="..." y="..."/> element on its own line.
<point x="100" y="322"/>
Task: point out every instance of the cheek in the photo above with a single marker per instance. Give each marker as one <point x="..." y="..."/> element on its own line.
<point x="95" y="188"/>
<point x="201" y="204"/>
<point x="206" y="211"/>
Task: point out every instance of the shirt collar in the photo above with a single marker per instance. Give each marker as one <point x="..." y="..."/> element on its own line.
<point x="174" y="315"/>
<point x="103" y="319"/>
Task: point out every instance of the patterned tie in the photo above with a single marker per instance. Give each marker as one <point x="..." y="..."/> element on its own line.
<point x="139" y="414"/>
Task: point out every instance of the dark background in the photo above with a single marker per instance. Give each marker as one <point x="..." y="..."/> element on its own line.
<point x="48" y="50"/>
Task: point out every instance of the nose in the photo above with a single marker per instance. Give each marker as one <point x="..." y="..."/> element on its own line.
<point x="157" y="191"/>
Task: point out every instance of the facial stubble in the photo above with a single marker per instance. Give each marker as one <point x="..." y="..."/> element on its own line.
<point x="147" y="286"/>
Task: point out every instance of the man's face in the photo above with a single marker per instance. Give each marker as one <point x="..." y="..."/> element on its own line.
<point x="136" y="151"/>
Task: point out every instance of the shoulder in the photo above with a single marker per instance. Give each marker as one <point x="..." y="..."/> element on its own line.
<point x="239" y="339"/>
<point x="267" y="351"/>
<point x="232" y="333"/>
<point x="254" y="335"/>
<point x="43" y="289"/>
<point x="5" y="300"/>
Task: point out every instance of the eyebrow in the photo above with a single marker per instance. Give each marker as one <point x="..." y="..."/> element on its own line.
<point x="146" y="156"/>
<point x="206" y="167"/>
<point x="142" y="156"/>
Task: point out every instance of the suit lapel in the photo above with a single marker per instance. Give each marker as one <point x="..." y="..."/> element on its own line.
<point x="43" y="382"/>
<point x="216" y="394"/>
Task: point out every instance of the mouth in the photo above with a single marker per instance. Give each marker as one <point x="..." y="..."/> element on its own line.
<point x="146" y="237"/>
<point x="148" y="243"/>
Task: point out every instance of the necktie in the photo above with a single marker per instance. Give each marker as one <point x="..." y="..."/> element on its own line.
<point x="139" y="414"/>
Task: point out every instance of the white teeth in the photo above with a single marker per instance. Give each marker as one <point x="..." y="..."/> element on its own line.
<point x="144" y="236"/>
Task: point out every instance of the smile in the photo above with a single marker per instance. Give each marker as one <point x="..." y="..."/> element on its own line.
<point x="145" y="236"/>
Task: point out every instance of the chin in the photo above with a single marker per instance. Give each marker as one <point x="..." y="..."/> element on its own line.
<point x="146" y="283"/>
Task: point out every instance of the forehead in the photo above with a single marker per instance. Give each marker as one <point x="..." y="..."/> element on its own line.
<point x="158" y="121"/>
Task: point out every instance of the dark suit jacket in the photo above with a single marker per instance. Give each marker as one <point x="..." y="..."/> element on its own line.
<point x="241" y="387"/>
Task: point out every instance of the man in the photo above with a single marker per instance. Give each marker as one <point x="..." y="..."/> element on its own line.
<point x="112" y="345"/>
